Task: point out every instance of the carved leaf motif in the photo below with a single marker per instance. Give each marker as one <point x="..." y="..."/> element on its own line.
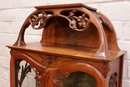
<point x="78" y="22"/>
<point x="37" y="20"/>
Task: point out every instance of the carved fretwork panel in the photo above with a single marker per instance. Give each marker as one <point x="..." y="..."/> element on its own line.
<point x="77" y="20"/>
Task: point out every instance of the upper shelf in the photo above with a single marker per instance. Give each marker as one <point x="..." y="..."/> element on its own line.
<point x="72" y="24"/>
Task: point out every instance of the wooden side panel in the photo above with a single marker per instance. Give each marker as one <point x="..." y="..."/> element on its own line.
<point x="114" y="77"/>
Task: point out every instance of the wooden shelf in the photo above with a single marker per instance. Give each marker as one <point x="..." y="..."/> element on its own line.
<point x="77" y="52"/>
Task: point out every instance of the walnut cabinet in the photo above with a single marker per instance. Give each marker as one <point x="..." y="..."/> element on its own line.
<point x="78" y="48"/>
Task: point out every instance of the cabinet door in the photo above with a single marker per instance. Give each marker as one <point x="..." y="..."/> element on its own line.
<point x="78" y="75"/>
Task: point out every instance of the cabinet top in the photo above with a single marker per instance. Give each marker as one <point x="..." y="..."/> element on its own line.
<point x="73" y="5"/>
<point x="76" y="52"/>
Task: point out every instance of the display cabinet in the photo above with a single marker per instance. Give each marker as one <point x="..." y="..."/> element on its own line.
<point x="78" y="48"/>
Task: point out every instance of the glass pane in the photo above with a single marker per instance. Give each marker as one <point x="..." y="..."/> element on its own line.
<point x="77" y="79"/>
<point x="26" y="75"/>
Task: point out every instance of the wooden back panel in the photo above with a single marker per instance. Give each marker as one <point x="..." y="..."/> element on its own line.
<point x="58" y="32"/>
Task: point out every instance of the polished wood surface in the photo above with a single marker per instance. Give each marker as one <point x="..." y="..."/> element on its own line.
<point x="77" y="52"/>
<point x="75" y="38"/>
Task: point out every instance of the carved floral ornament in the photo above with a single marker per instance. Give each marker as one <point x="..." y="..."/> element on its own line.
<point x="77" y="20"/>
<point x="57" y="81"/>
<point x="49" y="59"/>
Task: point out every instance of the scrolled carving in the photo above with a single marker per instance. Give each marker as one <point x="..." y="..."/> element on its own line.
<point x="78" y="22"/>
<point x="37" y="20"/>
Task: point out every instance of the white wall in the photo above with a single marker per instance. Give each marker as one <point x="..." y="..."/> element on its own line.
<point x="14" y="12"/>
